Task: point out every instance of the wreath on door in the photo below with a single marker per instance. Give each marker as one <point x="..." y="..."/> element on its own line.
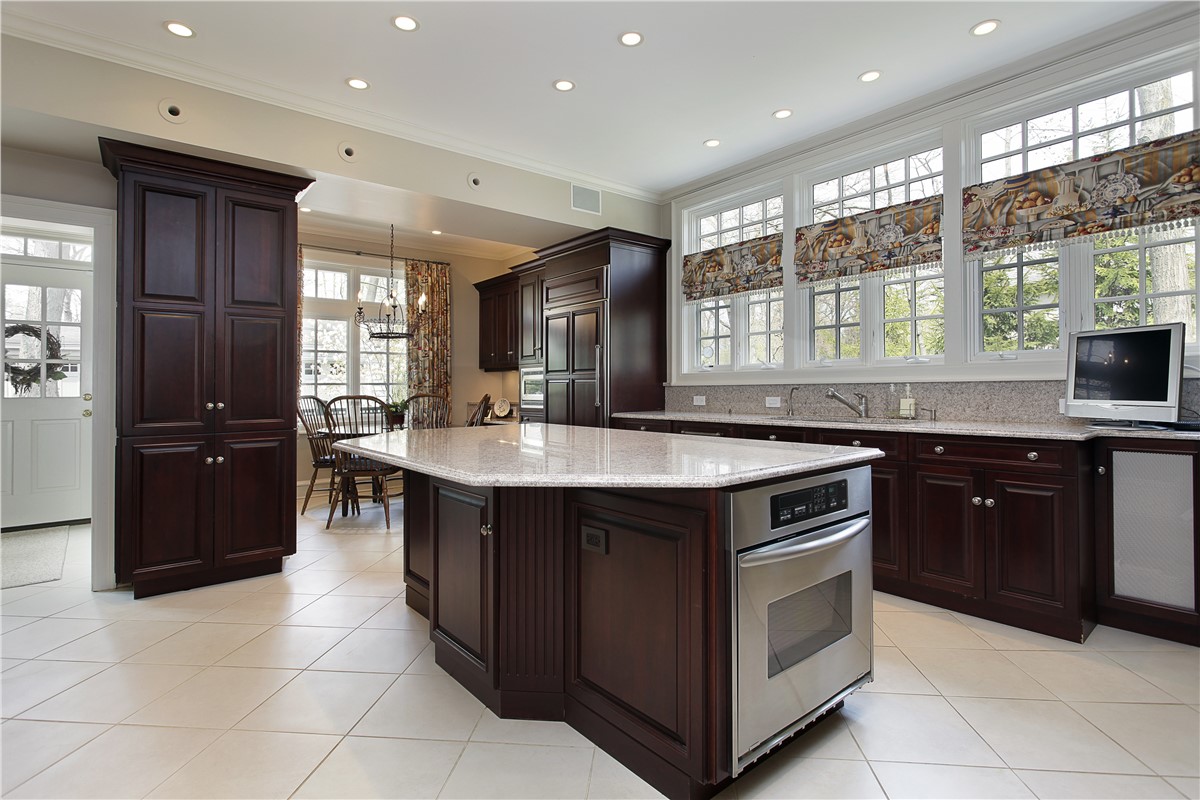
<point x="23" y="379"/>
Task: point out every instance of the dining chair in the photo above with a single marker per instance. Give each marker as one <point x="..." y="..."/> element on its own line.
<point x="427" y="411"/>
<point x="476" y="418"/>
<point x="311" y="410"/>
<point x="347" y="417"/>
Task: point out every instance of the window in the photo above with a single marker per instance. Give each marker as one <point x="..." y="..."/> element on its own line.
<point x="1131" y="116"/>
<point x="1145" y="279"/>
<point x="740" y="223"/>
<point x="910" y="178"/>
<point x="914" y="314"/>
<point x="46" y="247"/>
<point x="1019" y="302"/>
<point x="837" y="324"/>
<point x="765" y="315"/>
<point x="714" y="346"/>
<point x="43" y="337"/>
<point x="338" y="357"/>
<point x="329" y="284"/>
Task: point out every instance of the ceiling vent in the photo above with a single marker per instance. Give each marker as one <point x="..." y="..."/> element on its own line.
<point x="586" y="199"/>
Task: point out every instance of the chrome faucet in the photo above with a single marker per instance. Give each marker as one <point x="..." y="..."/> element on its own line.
<point x="859" y="408"/>
<point x="791" y="401"/>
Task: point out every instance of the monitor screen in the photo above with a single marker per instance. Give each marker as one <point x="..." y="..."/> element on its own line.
<point x="1124" y="366"/>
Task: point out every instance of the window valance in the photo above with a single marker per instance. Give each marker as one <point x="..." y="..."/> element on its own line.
<point x="1147" y="186"/>
<point x="893" y="238"/>
<point x="750" y="266"/>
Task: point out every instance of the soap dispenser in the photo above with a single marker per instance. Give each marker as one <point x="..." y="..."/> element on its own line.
<point x="908" y="406"/>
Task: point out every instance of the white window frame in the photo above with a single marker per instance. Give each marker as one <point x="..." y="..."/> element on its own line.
<point x="323" y="308"/>
<point x="975" y="316"/>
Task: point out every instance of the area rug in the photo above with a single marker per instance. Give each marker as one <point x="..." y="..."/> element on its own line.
<point x="34" y="556"/>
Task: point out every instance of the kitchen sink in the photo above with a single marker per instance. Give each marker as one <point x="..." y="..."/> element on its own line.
<point x="851" y="420"/>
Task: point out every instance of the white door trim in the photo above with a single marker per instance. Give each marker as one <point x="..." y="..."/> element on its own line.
<point x="103" y="221"/>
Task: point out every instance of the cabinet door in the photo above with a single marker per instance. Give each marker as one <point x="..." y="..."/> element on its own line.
<point x="462" y="608"/>
<point x="946" y="530"/>
<point x="889" y="519"/>
<point x="255" y="497"/>
<point x="165" y="507"/>
<point x="530" y="302"/>
<point x="256" y="390"/>
<point x="558" y="401"/>
<point x="487" y="330"/>
<point x="1027" y="528"/>
<point x="166" y="315"/>
<point x="508" y="326"/>
<point x="775" y="433"/>
<point x="558" y="343"/>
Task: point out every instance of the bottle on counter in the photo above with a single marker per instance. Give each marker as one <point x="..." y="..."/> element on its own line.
<point x="908" y="406"/>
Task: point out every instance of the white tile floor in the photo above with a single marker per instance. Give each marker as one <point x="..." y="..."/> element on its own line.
<point x="320" y="683"/>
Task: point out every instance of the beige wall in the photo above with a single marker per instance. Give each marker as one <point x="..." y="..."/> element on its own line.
<point x="63" y="180"/>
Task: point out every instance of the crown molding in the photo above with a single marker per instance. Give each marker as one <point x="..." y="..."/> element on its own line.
<point x="86" y="44"/>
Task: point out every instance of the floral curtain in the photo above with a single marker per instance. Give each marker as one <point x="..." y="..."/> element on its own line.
<point x="1146" y="186"/>
<point x="892" y="238"/>
<point x="429" y="349"/>
<point x="750" y="266"/>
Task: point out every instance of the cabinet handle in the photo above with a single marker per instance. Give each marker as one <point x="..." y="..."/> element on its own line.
<point x="855" y="443"/>
<point x="209" y="406"/>
<point x="208" y="460"/>
<point x="485" y="530"/>
<point x="990" y="503"/>
<point x="939" y="450"/>
<point x="220" y="459"/>
<point x="1101" y="470"/>
<point x="220" y="406"/>
<point x="975" y="501"/>
<point x="1032" y="455"/>
<point x="642" y="428"/>
<point x="598" y="374"/>
<point x="772" y="437"/>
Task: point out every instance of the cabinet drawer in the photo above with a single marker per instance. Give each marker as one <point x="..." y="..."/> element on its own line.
<point x="655" y="425"/>
<point x="892" y="444"/>
<point x="1009" y="453"/>
<point x="775" y="433"/>
<point x="579" y="287"/>
<point x="707" y="429"/>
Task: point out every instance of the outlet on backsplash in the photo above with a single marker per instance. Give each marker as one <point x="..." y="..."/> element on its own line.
<point x="699" y="400"/>
<point x="774" y="402"/>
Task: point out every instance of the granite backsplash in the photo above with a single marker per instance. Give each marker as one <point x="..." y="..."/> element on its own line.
<point x="983" y="401"/>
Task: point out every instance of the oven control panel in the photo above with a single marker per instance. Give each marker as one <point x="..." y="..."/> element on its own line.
<point x="815" y="501"/>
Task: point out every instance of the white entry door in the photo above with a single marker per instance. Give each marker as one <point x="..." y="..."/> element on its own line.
<point x="45" y="418"/>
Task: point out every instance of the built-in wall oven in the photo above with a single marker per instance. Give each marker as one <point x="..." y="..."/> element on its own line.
<point x="533" y="387"/>
<point x="801" y="595"/>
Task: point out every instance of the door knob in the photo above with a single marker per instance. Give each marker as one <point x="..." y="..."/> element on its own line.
<point x="990" y="503"/>
<point x="976" y="501"/>
<point x="87" y="412"/>
<point x="87" y="396"/>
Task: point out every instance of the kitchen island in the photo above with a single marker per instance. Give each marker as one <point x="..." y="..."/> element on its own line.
<point x="584" y="574"/>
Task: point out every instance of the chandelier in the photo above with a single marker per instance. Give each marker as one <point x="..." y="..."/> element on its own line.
<point x="389" y="321"/>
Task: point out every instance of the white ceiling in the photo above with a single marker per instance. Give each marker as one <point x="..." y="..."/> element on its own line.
<point x="476" y="77"/>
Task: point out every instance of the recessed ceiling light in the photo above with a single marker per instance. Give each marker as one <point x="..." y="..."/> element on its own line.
<point x="782" y="113"/>
<point x="870" y="75"/>
<point x="711" y="142"/>
<point x="631" y="39"/>
<point x="305" y="209"/>
<point x="564" y="86"/>
<point x="406" y="23"/>
<point x="179" y="29"/>
<point x="985" y="27"/>
<point x="436" y="233"/>
<point x="357" y="83"/>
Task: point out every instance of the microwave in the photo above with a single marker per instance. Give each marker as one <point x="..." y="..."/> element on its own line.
<point x="533" y="387"/>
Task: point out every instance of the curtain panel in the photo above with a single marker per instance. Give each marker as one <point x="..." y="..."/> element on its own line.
<point x="872" y="243"/>
<point x="1148" y="186"/>
<point x="754" y="265"/>
<point x="429" y="349"/>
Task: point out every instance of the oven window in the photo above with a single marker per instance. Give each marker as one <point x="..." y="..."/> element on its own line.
<point x="807" y="622"/>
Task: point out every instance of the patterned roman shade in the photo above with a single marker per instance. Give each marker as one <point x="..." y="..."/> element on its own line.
<point x="1148" y="186"/>
<point x="894" y="238"/>
<point x="750" y="266"/>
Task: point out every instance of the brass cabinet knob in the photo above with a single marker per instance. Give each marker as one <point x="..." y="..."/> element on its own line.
<point x="939" y="450"/>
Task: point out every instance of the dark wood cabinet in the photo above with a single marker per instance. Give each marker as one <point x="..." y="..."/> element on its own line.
<point x="531" y="282"/>
<point x="657" y="426"/>
<point x="499" y="321"/>
<point x="714" y="429"/>
<point x="575" y="365"/>
<point x="1148" y="536"/>
<point x="206" y="325"/>
<point x="776" y="433"/>
<point x="889" y="525"/>
<point x="1027" y="539"/>
<point x="947" y="547"/>
<point x="462" y="619"/>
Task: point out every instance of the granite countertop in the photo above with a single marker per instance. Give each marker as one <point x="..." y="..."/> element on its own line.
<point x="1066" y="430"/>
<point x="538" y="454"/>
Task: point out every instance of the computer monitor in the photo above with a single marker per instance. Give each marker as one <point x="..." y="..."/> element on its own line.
<point x="1128" y="374"/>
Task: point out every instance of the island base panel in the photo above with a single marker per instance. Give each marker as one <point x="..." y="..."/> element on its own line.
<point x="149" y="587"/>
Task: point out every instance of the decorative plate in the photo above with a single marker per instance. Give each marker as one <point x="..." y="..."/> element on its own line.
<point x="889" y="235"/>
<point x="1113" y="190"/>
<point x="501" y="407"/>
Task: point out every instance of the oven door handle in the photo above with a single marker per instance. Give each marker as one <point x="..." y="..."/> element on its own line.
<point x="785" y="550"/>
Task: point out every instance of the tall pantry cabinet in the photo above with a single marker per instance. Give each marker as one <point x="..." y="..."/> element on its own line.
<point x="206" y="363"/>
